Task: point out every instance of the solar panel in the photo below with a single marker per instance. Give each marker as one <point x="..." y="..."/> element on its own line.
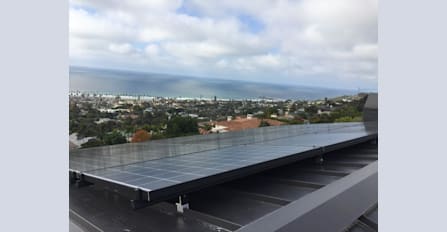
<point x="108" y="156"/>
<point x="167" y="167"/>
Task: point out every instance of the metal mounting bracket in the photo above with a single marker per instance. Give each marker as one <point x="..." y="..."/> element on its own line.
<point x="319" y="160"/>
<point x="81" y="182"/>
<point x="139" y="202"/>
<point x="182" y="204"/>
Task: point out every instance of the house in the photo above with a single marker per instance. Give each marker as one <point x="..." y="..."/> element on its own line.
<point x="219" y="129"/>
<point x="320" y="112"/>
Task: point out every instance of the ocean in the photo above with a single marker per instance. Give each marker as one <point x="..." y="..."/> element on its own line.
<point x="92" y="80"/>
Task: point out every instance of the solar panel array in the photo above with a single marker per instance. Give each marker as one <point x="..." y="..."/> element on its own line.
<point x="165" y="163"/>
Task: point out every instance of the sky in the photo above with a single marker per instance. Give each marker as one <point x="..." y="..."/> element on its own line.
<point x="325" y="43"/>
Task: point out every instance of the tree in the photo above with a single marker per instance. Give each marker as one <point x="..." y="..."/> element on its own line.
<point x="324" y="118"/>
<point x="114" y="137"/>
<point x="74" y="111"/>
<point x="349" y="119"/>
<point x="86" y="128"/>
<point x="296" y="120"/>
<point x="312" y="109"/>
<point x="264" y="123"/>
<point x="179" y="126"/>
<point x="137" y="109"/>
<point x="293" y="108"/>
<point x="207" y="127"/>
<point x="346" y="111"/>
<point x="269" y="111"/>
<point x="92" y="143"/>
<point x="73" y="126"/>
<point x="140" y="136"/>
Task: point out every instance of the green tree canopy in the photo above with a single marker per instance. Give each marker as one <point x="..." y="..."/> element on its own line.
<point x="114" y="137"/>
<point x="92" y="143"/>
<point x="179" y="126"/>
<point x="264" y="123"/>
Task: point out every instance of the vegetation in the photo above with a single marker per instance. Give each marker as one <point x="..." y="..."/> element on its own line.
<point x="268" y="112"/>
<point x="349" y="112"/>
<point x="140" y="136"/>
<point x="293" y="121"/>
<point x="181" y="126"/>
<point x="114" y="121"/>
<point x="264" y="123"/>
<point x="114" y="137"/>
<point x="207" y="126"/>
<point x="349" y="119"/>
<point x="92" y="143"/>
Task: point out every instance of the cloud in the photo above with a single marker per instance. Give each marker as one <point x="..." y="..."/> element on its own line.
<point x="123" y="48"/>
<point x="152" y="50"/>
<point x="272" y="41"/>
<point x="270" y="61"/>
<point x="204" y="49"/>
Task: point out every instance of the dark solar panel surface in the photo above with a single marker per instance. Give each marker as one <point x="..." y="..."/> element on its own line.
<point x="109" y="156"/>
<point x="160" y="164"/>
<point x="154" y="174"/>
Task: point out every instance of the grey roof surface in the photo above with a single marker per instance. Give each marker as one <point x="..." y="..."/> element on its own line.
<point x="74" y="228"/>
<point x="372" y="101"/>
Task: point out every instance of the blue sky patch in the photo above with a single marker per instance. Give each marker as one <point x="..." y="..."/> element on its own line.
<point x="89" y="10"/>
<point x="253" y="24"/>
<point x="139" y="45"/>
<point x="187" y="10"/>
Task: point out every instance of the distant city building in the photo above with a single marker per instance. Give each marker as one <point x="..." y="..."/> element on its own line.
<point x="320" y="112"/>
<point x="280" y="112"/>
<point x="149" y="110"/>
<point x="219" y="129"/>
<point x="103" y="120"/>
